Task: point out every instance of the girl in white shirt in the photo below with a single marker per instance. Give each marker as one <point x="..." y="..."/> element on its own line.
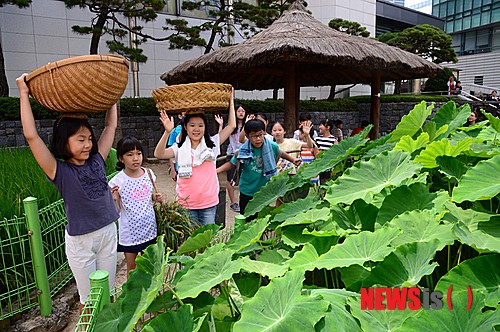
<point x="132" y="191"/>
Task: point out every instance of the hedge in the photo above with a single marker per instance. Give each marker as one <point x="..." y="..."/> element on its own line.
<point x="9" y="106"/>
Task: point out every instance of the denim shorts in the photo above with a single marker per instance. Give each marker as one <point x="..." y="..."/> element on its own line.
<point x="204" y="216"/>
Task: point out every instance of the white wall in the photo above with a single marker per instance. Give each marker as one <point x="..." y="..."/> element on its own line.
<point x="42" y="33"/>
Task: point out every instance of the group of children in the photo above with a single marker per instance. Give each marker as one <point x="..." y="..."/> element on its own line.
<point x="75" y="163"/>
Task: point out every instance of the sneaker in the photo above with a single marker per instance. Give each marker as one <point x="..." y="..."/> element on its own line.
<point x="235" y="207"/>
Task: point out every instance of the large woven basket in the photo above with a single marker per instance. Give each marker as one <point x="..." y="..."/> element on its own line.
<point x="82" y="84"/>
<point x="193" y="97"/>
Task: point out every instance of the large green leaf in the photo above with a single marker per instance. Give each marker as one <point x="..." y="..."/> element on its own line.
<point x="295" y="207"/>
<point x="338" y="318"/>
<point x="441" y="148"/>
<point x="199" y="239"/>
<point x="408" y="198"/>
<point x="378" y="320"/>
<point x="480" y="182"/>
<point x="370" y="177"/>
<point x="266" y="269"/>
<point x="304" y="259"/>
<point x="308" y="217"/>
<point x="451" y="166"/>
<point x="408" y="144"/>
<point x="359" y="216"/>
<point x="411" y="123"/>
<point x="359" y="248"/>
<point x="280" y="306"/>
<point x="458" y="319"/>
<point x="138" y="292"/>
<point x="476" y="229"/>
<point x="421" y="226"/>
<point x="449" y="115"/>
<point x="293" y="236"/>
<point x="207" y="273"/>
<point x="483" y="150"/>
<point x="405" y="266"/>
<point x="494" y="121"/>
<point x="329" y="158"/>
<point x="481" y="274"/>
<point x="277" y="187"/>
<point x="431" y="129"/>
<point x="181" y="320"/>
<point x="251" y="234"/>
<point x="354" y="276"/>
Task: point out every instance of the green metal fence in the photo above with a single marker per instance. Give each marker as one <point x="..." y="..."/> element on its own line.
<point x="20" y="288"/>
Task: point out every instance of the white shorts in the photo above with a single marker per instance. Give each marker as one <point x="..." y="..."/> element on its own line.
<point x="90" y="252"/>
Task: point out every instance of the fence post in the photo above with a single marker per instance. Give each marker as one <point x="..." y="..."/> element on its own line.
<point x="38" y="255"/>
<point x="100" y="279"/>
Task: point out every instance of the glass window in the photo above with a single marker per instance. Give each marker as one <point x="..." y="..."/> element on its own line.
<point x="478" y="80"/>
<point x="204" y="12"/>
<point x="470" y="42"/>
<point x="448" y="27"/>
<point x="451" y="7"/>
<point x="459" y="6"/>
<point x="485" y="18"/>
<point x="466" y="22"/>
<point x="495" y="15"/>
<point x="483" y="38"/>
<point x="467" y="5"/>
<point x="458" y="25"/>
<point x="476" y="20"/>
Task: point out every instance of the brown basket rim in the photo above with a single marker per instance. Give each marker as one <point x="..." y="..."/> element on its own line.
<point x="175" y="86"/>
<point x="76" y="59"/>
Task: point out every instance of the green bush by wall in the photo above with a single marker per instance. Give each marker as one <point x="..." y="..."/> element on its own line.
<point x="9" y="106"/>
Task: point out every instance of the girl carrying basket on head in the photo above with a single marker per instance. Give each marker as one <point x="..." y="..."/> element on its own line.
<point x="75" y="164"/>
<point x="196" y="155"/>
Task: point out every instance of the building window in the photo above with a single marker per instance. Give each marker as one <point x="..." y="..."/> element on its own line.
<point x="478" y="80"/>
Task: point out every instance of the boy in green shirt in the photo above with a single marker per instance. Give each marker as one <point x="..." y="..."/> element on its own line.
<point x="258" y="157"/>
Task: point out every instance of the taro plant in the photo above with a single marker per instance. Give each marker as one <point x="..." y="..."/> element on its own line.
<point x="414" y="211"/>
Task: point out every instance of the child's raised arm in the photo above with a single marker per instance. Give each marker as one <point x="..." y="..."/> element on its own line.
<point x="242" y="139"/>
<point x="307" y="127"/>
<point x="160" y="151"/>
<point x="108" y="133"/>
<point x="231" y="122"/>
<point x="38" y="147"/>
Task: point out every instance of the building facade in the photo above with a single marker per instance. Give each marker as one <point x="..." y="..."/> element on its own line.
<point x="475" y="29"/>
<point x="42" y="33"/>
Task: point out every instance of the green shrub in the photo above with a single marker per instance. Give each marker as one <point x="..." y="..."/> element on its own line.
<point x="401" y="99"/>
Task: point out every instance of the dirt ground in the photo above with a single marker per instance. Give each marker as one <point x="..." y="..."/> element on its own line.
<point x="165" y="185"/>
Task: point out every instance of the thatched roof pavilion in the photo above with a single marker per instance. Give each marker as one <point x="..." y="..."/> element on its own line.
<point x="298" y="50"/>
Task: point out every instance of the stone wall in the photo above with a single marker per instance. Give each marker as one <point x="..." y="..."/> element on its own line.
<point x="149" y="129"/>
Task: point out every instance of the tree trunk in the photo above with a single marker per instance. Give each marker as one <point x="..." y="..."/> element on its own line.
<point x="4" y="85"/>
<point x="331" y="97"/>
<point x="96" y="35"/>
<point x="397" y="87"/>
<point x="275" y="94"/>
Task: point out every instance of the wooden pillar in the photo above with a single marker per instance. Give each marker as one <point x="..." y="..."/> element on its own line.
<point x="375" y="107"/>
<point x="292" y="95"/>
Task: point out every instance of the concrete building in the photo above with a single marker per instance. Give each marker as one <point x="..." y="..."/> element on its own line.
<point x="475" y="29"/>
<point x="42" y="33"/>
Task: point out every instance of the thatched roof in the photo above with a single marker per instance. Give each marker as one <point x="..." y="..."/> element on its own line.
<point x="322" y="56"/>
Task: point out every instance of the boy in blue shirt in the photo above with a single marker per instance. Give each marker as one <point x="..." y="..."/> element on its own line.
<point x="258" y="157"/>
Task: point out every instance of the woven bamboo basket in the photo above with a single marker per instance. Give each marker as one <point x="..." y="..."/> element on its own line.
<point x="82" y="84"/>
<point x="193" y="97"/>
